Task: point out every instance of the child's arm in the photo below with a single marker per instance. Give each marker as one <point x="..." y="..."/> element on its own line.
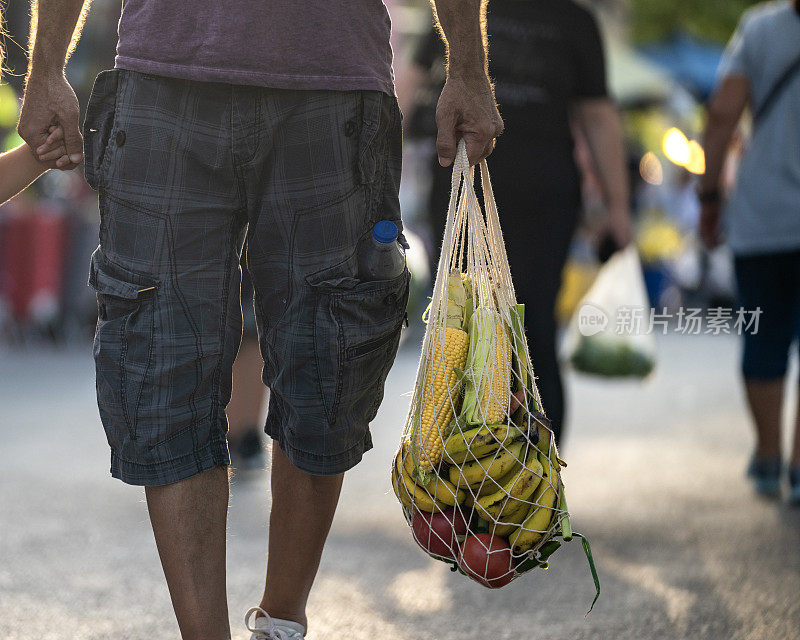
<point x="18" y="168"/>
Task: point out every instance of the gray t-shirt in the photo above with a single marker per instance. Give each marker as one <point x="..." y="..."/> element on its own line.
<point x="763" y="214"/>
<point x="332" y="44"/>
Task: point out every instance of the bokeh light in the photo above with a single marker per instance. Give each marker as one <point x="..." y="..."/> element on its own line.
<point x="697" y="158"/>
<point x="650" y="169"/>
<point x="675" y="146"/>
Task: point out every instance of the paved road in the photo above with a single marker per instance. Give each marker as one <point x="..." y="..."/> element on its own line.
<point x="654" y="478"/>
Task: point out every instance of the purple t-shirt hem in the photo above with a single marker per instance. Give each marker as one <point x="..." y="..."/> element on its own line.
<point x="256" y="78"/>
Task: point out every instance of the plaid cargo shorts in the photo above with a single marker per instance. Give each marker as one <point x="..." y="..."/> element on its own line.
<point x="186" y="171"/>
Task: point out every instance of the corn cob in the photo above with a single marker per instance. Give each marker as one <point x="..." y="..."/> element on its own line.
<point x="442" y="382"/>
<point x="489" y="364"/>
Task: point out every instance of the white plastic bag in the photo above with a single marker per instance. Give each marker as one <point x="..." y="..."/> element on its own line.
<point x="611" y="332"/>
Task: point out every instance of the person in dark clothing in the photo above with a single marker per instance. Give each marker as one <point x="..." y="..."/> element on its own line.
<point x="549" y="73"/>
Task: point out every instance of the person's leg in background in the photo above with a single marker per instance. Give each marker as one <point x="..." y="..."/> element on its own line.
<point x="794" y="456"/>
<point x="766" y="282"/>
<point x="248" y="394"/>
<point x="794" y="462"/>
<point x="765" y="400"/>
<point x="794" y="459"/>
<point x="537" y="252"/>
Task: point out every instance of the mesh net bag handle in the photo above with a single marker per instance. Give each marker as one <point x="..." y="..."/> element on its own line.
<point x="476" y="240"/>
<point x="467" y="450"/>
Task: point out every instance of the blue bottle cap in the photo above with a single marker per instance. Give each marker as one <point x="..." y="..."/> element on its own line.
<point x="385" y="231"/>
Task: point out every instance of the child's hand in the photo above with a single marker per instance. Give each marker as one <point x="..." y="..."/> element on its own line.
<point x="53" y="152"/>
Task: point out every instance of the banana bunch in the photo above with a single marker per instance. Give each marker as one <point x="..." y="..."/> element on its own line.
<point x="513" y="487"/>
<point x="479" y="442"/>
<point x="539" y="514"/>
<point x="438" y="493"/>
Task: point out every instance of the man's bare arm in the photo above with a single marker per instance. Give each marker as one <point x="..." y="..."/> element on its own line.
<point x="49" y="100"/>
<point x="600" y="123"/>
<point x="467" y="106"/>
<point x="462" y="24"/>
<point x="56" y="27"/>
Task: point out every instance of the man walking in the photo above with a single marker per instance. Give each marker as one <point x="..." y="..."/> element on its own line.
<point x="275" y="120"/>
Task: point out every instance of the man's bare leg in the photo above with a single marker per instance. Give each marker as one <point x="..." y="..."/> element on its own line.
<point x="248" y="392"/>
<point x="765" y="398"/>
<point x="302" y="511"/>
<point x="794" y="459"/>
<point x="188" y="519"/>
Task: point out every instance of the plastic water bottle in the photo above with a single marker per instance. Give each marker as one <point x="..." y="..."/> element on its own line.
<point x="380" y="256"/>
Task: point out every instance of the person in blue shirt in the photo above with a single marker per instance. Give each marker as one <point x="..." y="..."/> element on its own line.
<point x="761" y="218"/>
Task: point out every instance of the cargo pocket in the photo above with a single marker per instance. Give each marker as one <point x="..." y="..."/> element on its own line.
<point x="98" y="125"/>
<point x="356" y="334"/>
<point x="123" y="344"/>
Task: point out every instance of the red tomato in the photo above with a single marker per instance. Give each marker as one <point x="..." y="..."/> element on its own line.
<point x="487" y="559"/>
<point x="436" y="532"/>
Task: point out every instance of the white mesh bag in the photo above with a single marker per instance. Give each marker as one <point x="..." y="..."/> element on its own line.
<point x="477" y="471"/>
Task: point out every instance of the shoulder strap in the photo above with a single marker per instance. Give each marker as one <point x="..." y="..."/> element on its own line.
<point x="774" y="93"/>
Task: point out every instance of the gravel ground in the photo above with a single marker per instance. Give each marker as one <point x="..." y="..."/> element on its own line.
<point x="683" y="548"/>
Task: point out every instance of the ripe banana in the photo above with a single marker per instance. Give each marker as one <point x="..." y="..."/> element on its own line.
<point x="513" y="495"/>
<point x="545" y="499"/>
<point x="461" y="441"/>
<point x="545" y="435"/>
<point x="511" y="521"/>
<point x="470" y="455"/>
<point x="402" y="496"/>
<point x="439" y="488"/>
<point x="495" y="465"/>
<point x="416" y="494"/>
<point x="443" y="491"/>
<point x="490" y="485"/>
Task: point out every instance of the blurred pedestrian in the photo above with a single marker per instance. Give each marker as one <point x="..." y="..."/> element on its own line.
<point x="548" y="68"/>
<point x="761" y="70"/>
<point x="271" y="120"/>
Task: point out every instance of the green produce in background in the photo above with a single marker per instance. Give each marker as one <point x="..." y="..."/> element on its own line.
<point x="610" y="358"/>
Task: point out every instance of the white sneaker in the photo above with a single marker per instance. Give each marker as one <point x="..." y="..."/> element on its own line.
<point x="267" y="628"/>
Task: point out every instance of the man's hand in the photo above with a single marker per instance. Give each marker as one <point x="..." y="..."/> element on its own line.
<point x="467" y="110"/>
<point x="50" y="102"/>
<point x="466" y="107"/>
<point x="710" y="228"/>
